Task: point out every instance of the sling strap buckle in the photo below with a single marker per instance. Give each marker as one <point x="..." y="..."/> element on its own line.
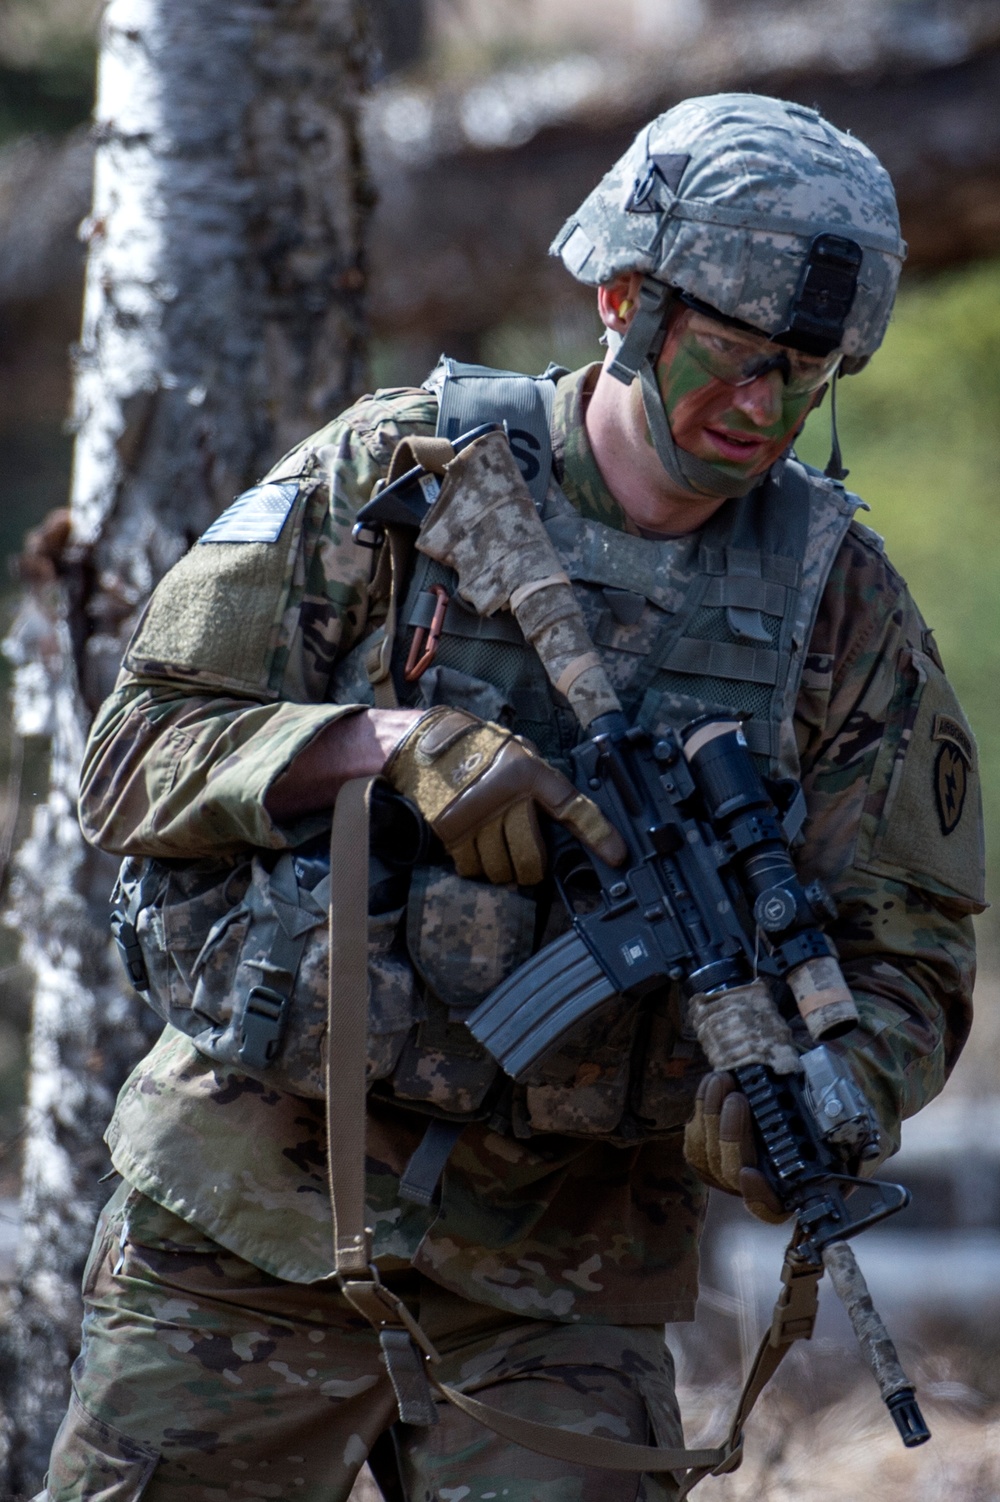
<point x="798" y="1302"/>
<point x="405" y="1345"/>
<point x="384" y="1309"/>
<point x="263" y="1025"/>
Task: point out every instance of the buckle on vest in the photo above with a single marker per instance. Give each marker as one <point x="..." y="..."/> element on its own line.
<point x="423" y="648"/>
<point x="127" y="940"/>
<point x="263" y="1025"/>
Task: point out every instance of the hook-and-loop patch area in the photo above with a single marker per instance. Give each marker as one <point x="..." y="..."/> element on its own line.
<point x="923" y="816"/>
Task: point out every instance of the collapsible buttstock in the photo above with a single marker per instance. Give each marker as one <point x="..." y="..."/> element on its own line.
<point x="526" y="1017"/>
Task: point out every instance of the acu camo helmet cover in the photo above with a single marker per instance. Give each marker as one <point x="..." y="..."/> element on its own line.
<point x="722" y="198"/>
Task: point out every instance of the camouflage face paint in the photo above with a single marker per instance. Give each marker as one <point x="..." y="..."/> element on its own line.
<point x="714" y="420"/>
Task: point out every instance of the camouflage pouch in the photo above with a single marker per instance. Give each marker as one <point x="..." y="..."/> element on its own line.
<point x="582" y="1089"/>
<point x="464" y="938"/>
<point x="168" y="914"/>
<point x="239" y="962"/>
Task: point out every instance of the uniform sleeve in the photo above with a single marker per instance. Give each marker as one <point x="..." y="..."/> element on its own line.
<point x="894" y="829"/>
<point x="228" y="675"/>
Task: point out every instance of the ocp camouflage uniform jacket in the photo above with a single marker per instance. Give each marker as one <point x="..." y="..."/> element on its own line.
<point x="178" y="765"/>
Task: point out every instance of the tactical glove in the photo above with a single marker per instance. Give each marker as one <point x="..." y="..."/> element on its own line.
<point x="480" y="788"/>
<point x="719" y="1145"/>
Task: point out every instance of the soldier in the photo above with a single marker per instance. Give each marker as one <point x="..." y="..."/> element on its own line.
<point x="745" y="255"/>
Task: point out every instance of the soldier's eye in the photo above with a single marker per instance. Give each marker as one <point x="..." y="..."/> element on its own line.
<point x="717" y="344"/>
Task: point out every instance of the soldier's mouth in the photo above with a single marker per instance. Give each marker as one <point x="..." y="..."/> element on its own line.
<point x="738" y="446"/>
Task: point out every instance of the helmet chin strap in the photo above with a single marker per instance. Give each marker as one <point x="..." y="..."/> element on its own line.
<point x="696" y="476"/>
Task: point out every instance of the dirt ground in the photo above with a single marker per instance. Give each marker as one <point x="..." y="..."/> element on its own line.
<point x="851" y="1451"/>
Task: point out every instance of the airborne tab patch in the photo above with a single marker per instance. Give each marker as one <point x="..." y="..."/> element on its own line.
<point x="257" y="515"/>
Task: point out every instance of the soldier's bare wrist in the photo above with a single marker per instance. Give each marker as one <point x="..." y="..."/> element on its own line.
<point x="357" y="745"/>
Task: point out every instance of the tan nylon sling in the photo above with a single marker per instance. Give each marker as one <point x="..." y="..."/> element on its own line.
<point x="409" y="1353"/>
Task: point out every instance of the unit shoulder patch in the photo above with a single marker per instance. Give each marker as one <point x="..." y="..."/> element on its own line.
<point x="953" y="767"/>
<point x="257" y="515"/>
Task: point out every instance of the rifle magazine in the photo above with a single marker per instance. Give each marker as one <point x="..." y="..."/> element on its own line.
<point x="526" y="1016"/>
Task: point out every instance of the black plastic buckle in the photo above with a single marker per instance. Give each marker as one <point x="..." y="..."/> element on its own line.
<point x="263" y="1025"/>
<point x="127" y="940"/>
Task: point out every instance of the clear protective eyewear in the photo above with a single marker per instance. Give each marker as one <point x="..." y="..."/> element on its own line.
<point x="738" y="358"/>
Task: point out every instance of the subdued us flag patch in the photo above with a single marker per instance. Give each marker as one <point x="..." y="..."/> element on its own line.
<point x="257" y="515"/>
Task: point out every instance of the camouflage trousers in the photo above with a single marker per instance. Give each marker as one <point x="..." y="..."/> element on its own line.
<point x="203" y="1379"/>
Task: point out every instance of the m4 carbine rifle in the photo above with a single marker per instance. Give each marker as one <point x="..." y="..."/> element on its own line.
<point x="708" y="898"/>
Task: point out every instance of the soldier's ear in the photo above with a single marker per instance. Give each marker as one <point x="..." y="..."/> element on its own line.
<point x="616" y="301"/>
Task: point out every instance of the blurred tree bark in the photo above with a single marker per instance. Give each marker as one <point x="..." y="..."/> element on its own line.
<point x="223" y="320"/>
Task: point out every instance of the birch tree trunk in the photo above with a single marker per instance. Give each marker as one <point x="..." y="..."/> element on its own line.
<point x="223" y="320"/>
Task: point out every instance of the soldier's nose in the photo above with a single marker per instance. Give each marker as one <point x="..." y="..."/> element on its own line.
<point x="761" y="400"/>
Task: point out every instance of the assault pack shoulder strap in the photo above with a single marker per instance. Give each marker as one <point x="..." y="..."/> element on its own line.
<point x="469" y="395"/>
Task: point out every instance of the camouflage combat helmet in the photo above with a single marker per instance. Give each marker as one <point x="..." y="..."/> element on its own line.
<point x="757" y="209"/>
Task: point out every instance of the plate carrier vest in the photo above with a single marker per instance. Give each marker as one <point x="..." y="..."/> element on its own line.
<point x="714" y="622"/>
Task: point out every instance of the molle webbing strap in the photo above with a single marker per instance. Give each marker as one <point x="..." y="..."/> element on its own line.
<point x="459" y="621"/>
<point x="721" y="659"/>
<point x="426" y="1165"/>
<point x="469" y="395"/>
<point x="744" y="592"/>
<point x="744" y="619"/>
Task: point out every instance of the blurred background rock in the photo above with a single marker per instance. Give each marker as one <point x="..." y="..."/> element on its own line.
<point x="488" y="121"/>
